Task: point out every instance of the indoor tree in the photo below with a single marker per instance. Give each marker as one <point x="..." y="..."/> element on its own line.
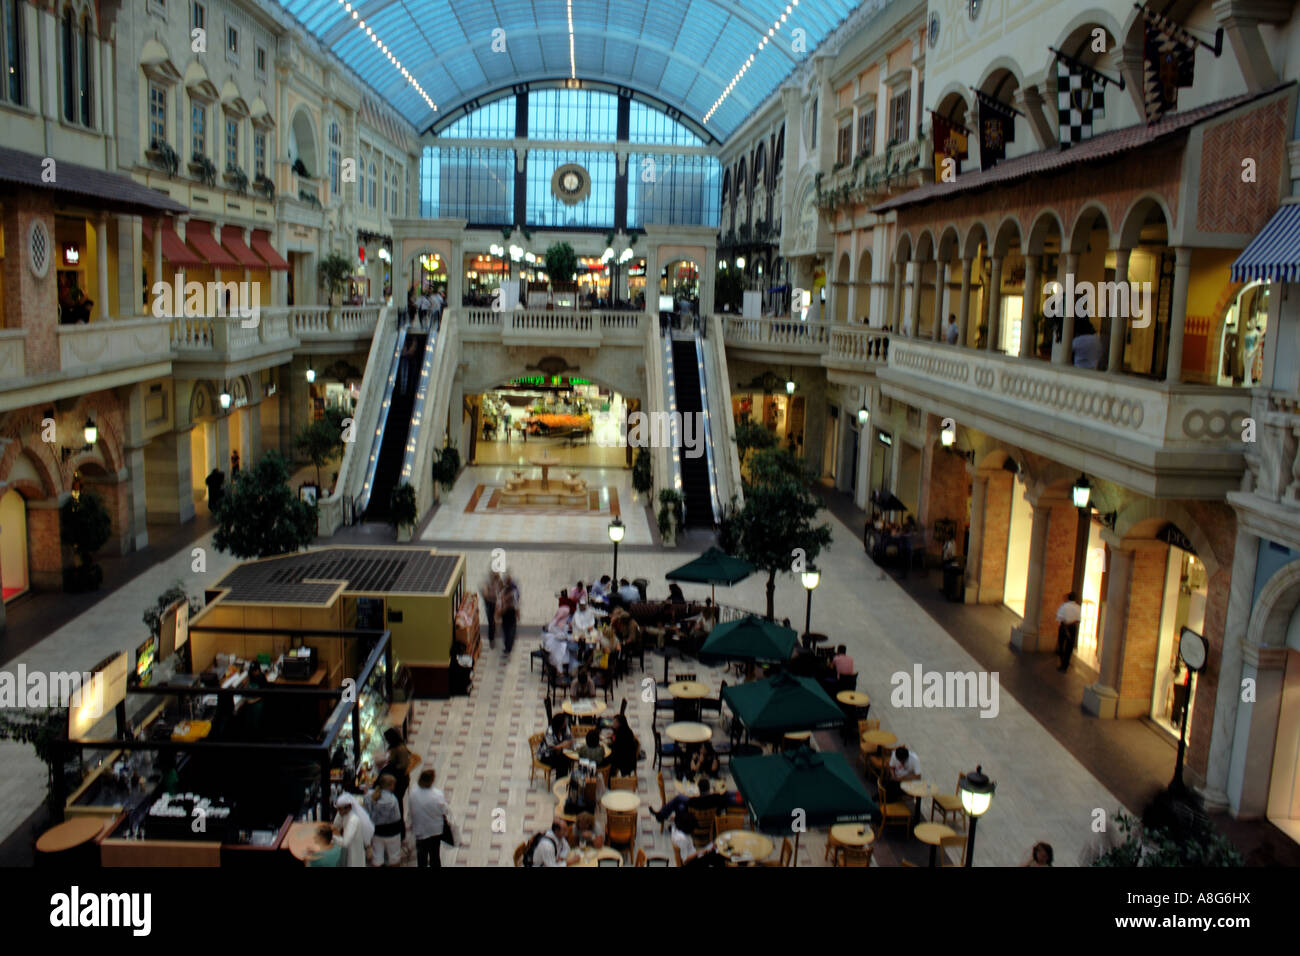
<point x="84" y="526"/>
<point x="777" y="517"/>
<point x="319" y="442"/>
<point x="561" y="265"/>
<point x="260" y="516"/>
<point x="752" y="435"/>
<point x="332" y="273"/>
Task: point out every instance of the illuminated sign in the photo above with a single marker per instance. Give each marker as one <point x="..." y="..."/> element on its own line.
<point x="71" y="255"/>
<point x="544" y="380"/>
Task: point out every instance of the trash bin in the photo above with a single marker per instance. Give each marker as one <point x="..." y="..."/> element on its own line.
<point x="641" y="584"/>
<point x="954" y="587"/>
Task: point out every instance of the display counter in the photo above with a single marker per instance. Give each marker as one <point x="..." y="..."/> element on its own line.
<point x="256" y="848"/>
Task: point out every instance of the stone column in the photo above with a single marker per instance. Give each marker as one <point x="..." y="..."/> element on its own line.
<point x="1063" y="351"/>
<point x="133" y="450"/>
<point x="252" y="430"/>
<point x="169" y="484"/>
<point x="914" y="311"/>
<point x="975" y="547"/>
<point x="1115" y="364"/>
<point x="994" y="305"/>
<point x="1241" y="600"/>
<point x="158" y="225"/>
<point x="940" y="285"/>
<point x="221" y="428"/>
<point x="1256" y="730"/>
<point x="963" y="307"/>
<point x="46" y="554"/>
<point x="34" y="302"/>
<point x="1029" y="306"/>
<point x="101" y="265"/>
<point x="1178" y="314"/>
<point x="1028" y="636"/>
<point x="895" y="323"/>
<point x="1102" y="698"/>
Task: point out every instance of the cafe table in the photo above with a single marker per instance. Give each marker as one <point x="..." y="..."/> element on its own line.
<point x="592" y="857"/>
<point x="586" y="708"/>
<point x="688" y="689"/>
<point x="70" y="834"/>
<point x="689" y="788"/>
<point x="918" y="790"/>
<point x="933" y="834"/>
<point x="573" y="754"/>
<point x="853" y="834"/>
<point x="853" y="698"/>
<point x="688" y="732"/>
<point x="744" y="846"/>
<point x="191" y="730"/>
<point x="875" y="739"/>
<point x="620" y="800"/>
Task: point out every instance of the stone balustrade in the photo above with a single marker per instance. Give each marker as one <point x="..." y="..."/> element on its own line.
<point x="108" y="343"/>
<point x="778" y="334"/>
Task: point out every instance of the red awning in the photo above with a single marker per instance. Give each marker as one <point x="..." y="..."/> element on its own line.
<point x="174" y="251"/>
<point x="232" y="237"/>
<point x="261" y="243"/>
<point x="199" y="236"/>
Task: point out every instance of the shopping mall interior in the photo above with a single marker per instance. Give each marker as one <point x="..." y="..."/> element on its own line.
<point x="641" y="416"/>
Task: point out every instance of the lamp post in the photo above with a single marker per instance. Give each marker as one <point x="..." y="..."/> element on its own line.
<point x="616" y="531"/>
<point x="311" y="375"/>
<point x="1193" y="649"/>
<point x="976" y="791"/>
<point x="1081" y="492"/>
<point x="864" y="416"/>
<point x="810" y="579"/>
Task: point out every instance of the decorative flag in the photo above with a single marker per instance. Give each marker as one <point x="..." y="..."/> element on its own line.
<point x="1168" y="63"/>
<point x="1080" y="95"/>
<point x="997" y="127"/>
<point x="950" y="142"/>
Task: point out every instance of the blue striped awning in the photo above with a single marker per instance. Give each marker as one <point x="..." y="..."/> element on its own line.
<point x="1274" y="254"/>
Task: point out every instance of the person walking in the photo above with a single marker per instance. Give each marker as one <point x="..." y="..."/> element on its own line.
<point x="491" y="593"/>
<point x="1068" y="616"/>
<point x="348" y="825"/>
<point x="215" y="481"/>
<point x="428" y="817"/>
<point x="508" y="610"/>
<point x="387" y="816"/>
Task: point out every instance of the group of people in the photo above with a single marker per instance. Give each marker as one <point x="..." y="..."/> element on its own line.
<point x="382" y="827"/>
<point x="423" y="308"/>
<point x="500" y="594"/>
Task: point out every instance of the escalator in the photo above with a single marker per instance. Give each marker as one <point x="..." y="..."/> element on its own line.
<point x="696" y="482"/>
<point x="396" y="426"/>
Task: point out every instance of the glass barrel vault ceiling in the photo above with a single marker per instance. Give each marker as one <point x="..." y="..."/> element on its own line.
<point x="683" y="52"/>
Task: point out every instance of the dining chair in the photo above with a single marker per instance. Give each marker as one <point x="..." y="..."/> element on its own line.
<point x="640" y="857"/>
<point x="713" y="704"/>
<point x="854" y="856"/>
<point x="956" y="842"/>
<point x="624" y="783"/>
<point x="729" y="820"/>
<point x="663" y="798"/>
<point x="865" y="725"/>
<point x="580" y="731"/>
<point x="539" y="654"/>
<point x="620" y="829"/>
<point x="949" y="804"/>
<point x="604" y="774"/>
<point x="608" y="861"/>
<point x="658" y="860"/>
<point x="787" y="855"/>
<point x="896" y="812"/>
<point x="682" y="678"/>
<point x="704" y="819"/>
<point x="833" y="847"/>
<point x="550" y="710"/>
<point x="534" y="742"/>
<point x="663" y="750"/>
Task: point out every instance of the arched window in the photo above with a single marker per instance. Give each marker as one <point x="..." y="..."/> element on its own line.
<point x="336" y="139"/>
<point x="742" y="182"/>
<point x="11" y="52"/>
<point x="77" y="36"/>
<point x="760" y="162"/>
<point x="384" y="207"/>
<point x="87" y="69"/>
<point x="374" y="185"/>
<point x="726" y="186"/>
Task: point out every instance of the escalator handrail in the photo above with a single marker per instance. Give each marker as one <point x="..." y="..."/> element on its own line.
<point x="670" y="399"/>
<point x="422" y="395"/>
<point x="708" y="431"/>
<point x="377" y="440"/>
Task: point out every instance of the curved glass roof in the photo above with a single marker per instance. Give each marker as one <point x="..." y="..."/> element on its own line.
<point x="686" y="53"/>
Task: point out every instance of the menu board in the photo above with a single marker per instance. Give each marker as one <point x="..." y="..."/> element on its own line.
<point x="99" y="696"/>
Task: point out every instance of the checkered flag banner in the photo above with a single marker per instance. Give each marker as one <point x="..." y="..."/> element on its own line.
<point x="1080" y="96"/>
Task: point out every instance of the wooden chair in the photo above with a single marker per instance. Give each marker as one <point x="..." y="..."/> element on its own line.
<point x="958" y="842"/>
<point x="865" y="725"/>
<point x="624" y="783"/>
<point x="729" y="820"/>
<point x="833" y="847"/>
<point x="949" y="804"/>
<point x="579" y="732"/>
<point x="657" y="860"/>
<point x="713" y="704"/>
<point x="609" y="861"/>
<point x="520" y="850"/>
<point x="704" y="820"/>
<point x="787" y="855"/>
<point x="640" y="857"/>
<point x="682" y="678"/>
<point x="854" y="856"/>
<point x="895" y="812"/>
<point x="663" y="800"/>
<point x="663" y="750"/>
<point x="534" y="742"/>
<point x="620" y="829"/>
<point x="604" y="774"/>
<point x="537" y="655"/>
<point x="662" y="705"/>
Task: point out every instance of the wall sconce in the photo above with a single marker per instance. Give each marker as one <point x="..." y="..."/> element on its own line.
<point x="948" y="435"/>
<point x="224" y="399"/>
<point x="864" y="416"/>
<point x="90" y="433"/>
<point x="311" y="375"/>
<point x="1081" y="492"/>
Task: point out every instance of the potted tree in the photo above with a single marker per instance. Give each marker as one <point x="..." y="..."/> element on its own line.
<point x="260" y="516"/>
<point x="84" y="526"/>
<point x="445" y="468"/>
<point x="671" y="515"/>
<point x="642" y="479"/>
<point x="402" y="512"/>
<point x="562" y="267"/>
<point x="333" y="273"/>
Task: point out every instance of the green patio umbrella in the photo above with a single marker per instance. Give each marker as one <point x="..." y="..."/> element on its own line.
<point x="750" y="638"/>
<point x="822" y="786"/>
<point x="713" y="567"/>
<point x="781" y="704"/>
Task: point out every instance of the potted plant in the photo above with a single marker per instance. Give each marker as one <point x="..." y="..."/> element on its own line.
<point x="160" y="152"/>
<point x="204" y="170"/>
<point x="237" y="178"/>
<point x="265" y="186"/>
<point x="671" y="515"/>
<point x="333" y="273"/>
<point x="446" y="465"/>
<point x="401" y="511"/>
<point x="642" y="480"/>
<point x="84" y="526"/>
<point x="561" y="266"/>
<point x="300" y="168"/>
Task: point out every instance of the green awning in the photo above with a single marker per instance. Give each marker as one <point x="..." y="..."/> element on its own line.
<point x="714" y="566"/>
<point x="751" y="638"/>
<point x="821" y="785"/>
<point x="781" y="704"/>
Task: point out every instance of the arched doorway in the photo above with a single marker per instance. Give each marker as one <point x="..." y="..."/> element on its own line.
<point x="13" y="544"/>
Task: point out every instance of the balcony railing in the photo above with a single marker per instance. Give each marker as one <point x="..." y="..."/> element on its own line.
<point x="112" y="342"/>
<point x="777" y="334"/>
<point x="855" y="347"/>
<point x="13" y="357"/>
<point x="226" y="334"/>
<point x="585" y="328"/>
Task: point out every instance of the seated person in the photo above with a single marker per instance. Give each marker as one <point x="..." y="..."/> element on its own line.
<point x="681" y="834"/>
<point x="628" y="592"/>
<point x="675" y="595"/>
<point x="556" y="646"/>
<point x="599" y="595"/>
<point x="607" y="644"/>
<point x="592" y="750"/>
<point x="705" y="762"/>
<point x="567" y="602"/>
<point x="625" y="749"/>
<point x="578" y="593"/>
<point x="580" y="796"/>
<point x="554" y="743"/>
<point x="842" y="663"/>
<point x="903" y="765"/>
<point x="588" y="832"/>
<point x="553" y="848"/>
<point x="705" y="622"/>
<point x="584" y="622"/>
<point x="583" y="686"/>
<point x="708" y="799"/>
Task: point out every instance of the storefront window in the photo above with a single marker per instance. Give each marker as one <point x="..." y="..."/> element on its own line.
<point x="1186" y="592"/>
<point x="1241" y="352"/>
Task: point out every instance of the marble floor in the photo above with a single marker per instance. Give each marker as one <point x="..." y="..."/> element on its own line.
<point x="479" y="744"/>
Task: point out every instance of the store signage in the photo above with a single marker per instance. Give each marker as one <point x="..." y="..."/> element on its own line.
<point x="71" y="255"/>
<point x="544" y="380"/>
<point x="1171" y="535"/>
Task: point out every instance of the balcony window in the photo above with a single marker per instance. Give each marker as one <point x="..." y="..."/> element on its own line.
<point x="157" y="113"/>
<point x="259" y="153"/>
<point x="374" y="188"/>
<point x="198" y="16"/>
<point x="900" y="116"/>
<point x="78" y="68"/>
<point x="198" y="130"/>
<point x="232" y="142"/>
<point x="867" y="133"/>
<point x="843" y="145"/>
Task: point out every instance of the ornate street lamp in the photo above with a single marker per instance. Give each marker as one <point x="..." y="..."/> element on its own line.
<point x="810" y="579"/>
<point x="864" y="416"/>
<point x="948" y="435"/>
<point x="976" y="792"/>
<point x="616" y="531"/>
<point x="311" y="375"/>
<point x="1081" y="492"/>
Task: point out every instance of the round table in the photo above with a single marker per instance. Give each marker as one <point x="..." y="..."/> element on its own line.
<point x="853" y="698"/>
<point x="875" y="739"/>
<point x="69" y="834"/>
<point x="688" y="732"/>
<point x="561" y="789"/>
<point x="620" y="800"/>
<point x="573" y="754"/>
<point x="744" y="843"/>
<point x="853" y="834"/>
<point x="918" y="790"/>
<point x="688" y="689"/>
<point x="798" y="735"/>
<point x="688" y="788"/>
<point x="933" y="834"/>
<point x="597" y="708"/>
<point x="592" y="857"/>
